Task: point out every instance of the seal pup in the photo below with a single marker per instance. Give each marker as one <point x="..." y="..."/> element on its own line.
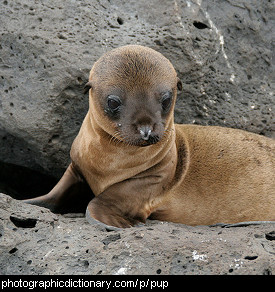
<point x="140" y="165"/>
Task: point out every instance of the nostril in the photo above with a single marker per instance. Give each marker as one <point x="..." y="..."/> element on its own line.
<point x="145" y="132"/>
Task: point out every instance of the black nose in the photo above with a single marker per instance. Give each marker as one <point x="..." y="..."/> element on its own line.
<point x="145" y="132"/>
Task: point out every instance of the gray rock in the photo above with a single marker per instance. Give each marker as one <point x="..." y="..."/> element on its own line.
<point x="222" y="51"/>
<point x="35" y="241"/>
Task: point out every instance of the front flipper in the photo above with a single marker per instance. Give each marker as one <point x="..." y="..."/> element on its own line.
<point x="111" y="214"/>
<point x="71" y="194"/>
<point x="103" y="226"/>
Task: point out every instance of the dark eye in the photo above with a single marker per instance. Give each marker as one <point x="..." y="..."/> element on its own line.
<point x="166" y="100"/>
<point x="114" y="102"/>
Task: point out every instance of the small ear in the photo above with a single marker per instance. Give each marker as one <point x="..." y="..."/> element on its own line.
<point x="179" y="85"/>
<point x="87" y="87"/>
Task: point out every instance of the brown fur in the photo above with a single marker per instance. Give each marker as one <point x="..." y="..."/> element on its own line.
<point x="188" y="174"/>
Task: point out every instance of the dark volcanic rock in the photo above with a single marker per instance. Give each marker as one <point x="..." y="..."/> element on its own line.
<point x="68" y="244"/>
<point x="222" y="51"/>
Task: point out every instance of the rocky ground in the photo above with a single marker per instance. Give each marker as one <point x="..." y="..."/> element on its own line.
<point x="35" y="241"/>
<point x="222" y="51"/>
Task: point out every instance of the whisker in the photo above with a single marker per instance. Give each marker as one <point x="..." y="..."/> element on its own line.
<point x="116" y="138"/>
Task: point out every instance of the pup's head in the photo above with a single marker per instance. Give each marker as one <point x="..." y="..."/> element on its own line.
<point x="132" y="94"/>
